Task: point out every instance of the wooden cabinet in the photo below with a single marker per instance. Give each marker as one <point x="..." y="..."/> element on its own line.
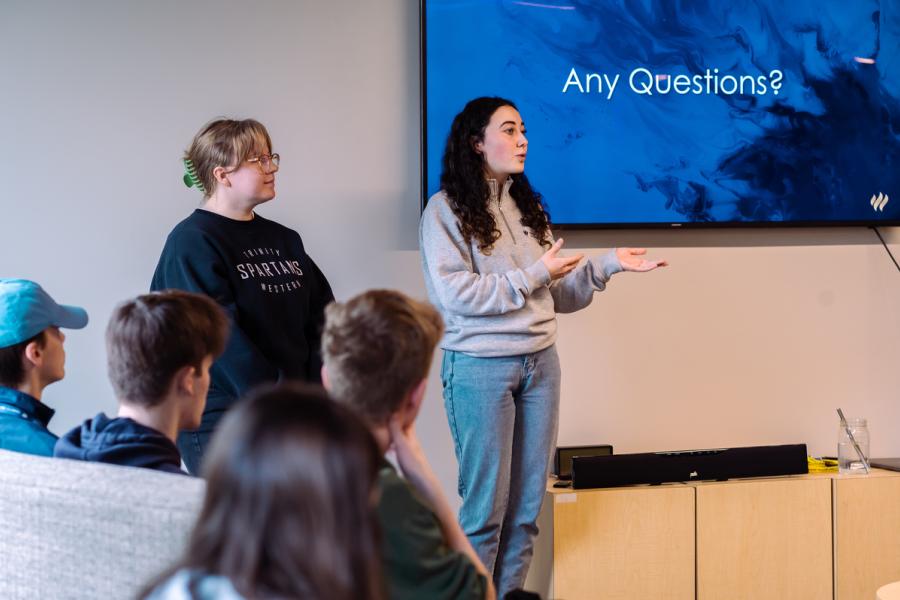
<point x="815" y="537"/>
<point x="866" y="533"/>
<point x="607" y="542"/>
<point x="764" y="539"/>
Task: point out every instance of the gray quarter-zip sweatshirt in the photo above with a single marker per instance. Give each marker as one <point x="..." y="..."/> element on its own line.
<point x="502" y="303"/>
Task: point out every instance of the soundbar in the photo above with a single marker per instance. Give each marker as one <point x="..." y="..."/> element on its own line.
<point x="688" y="465"/>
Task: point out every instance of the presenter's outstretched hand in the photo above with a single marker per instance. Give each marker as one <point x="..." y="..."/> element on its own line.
<point x="559" y="266"/>
<point x="632" y="259"/>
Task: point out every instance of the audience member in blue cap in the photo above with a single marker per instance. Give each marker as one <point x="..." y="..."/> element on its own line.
<point x="31" y="358"/>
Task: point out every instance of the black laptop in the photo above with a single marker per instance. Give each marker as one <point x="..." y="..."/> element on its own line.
<point x="891" y="464"/>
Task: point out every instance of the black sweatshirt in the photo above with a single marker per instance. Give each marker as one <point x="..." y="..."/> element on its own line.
<point x="274" y="293"/>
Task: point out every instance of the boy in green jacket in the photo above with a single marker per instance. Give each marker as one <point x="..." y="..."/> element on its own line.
<point x="377" y="349"/>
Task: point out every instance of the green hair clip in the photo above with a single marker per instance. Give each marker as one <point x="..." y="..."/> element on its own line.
<point x="191" y="179"/>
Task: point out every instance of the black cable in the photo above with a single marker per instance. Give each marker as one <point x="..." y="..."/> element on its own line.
<point x="883" y="243"/>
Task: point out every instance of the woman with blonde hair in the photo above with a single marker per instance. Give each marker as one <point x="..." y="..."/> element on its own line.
<point x="257" y="269"/>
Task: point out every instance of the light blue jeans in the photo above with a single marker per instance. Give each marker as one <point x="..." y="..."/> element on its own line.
<point x="503" y="414"/>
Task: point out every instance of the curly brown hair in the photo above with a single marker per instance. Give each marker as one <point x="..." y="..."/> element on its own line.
<point x="463" y="180"/>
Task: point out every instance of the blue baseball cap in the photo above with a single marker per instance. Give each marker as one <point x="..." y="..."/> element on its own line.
<point x="26" y="310"/>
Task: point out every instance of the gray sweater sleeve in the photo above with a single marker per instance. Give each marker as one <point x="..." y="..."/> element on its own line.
<point x="576" y="290"/>
<point x="453" y="279"/>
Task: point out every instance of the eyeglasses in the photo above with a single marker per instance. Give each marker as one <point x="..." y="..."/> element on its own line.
<point x="266" y="161"/>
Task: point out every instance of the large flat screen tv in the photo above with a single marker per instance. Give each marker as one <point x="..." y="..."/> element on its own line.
<point x="682" y="112"/>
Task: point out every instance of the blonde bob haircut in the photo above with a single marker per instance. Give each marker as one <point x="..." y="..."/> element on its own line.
<point x="226" y="143"/>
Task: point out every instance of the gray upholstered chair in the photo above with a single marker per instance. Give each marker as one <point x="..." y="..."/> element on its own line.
<point x="71" y="529"/>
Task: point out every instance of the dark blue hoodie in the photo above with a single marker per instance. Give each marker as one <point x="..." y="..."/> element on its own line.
<point x="120" y="441"/>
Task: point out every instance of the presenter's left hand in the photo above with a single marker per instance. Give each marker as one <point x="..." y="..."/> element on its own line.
<point x="632" y="259"/>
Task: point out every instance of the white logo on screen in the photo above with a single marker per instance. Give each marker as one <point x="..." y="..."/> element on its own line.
<point x="879" y="202"/>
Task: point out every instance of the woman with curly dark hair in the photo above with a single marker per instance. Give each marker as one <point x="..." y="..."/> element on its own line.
<point x="495" y="273"/>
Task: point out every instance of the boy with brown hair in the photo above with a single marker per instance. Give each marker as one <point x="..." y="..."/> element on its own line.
<point x="159" y="350"/>
<point x="31" y="358"/>
<point x="376" y="349"/>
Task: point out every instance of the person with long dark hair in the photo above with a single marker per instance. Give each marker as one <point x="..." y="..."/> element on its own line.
<point x="496" y="274"/>
<point x="290" y="505"/>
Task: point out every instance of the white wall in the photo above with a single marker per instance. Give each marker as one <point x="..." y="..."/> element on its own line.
<point x="101" y="97"/>
<point x="750" y="337"/>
